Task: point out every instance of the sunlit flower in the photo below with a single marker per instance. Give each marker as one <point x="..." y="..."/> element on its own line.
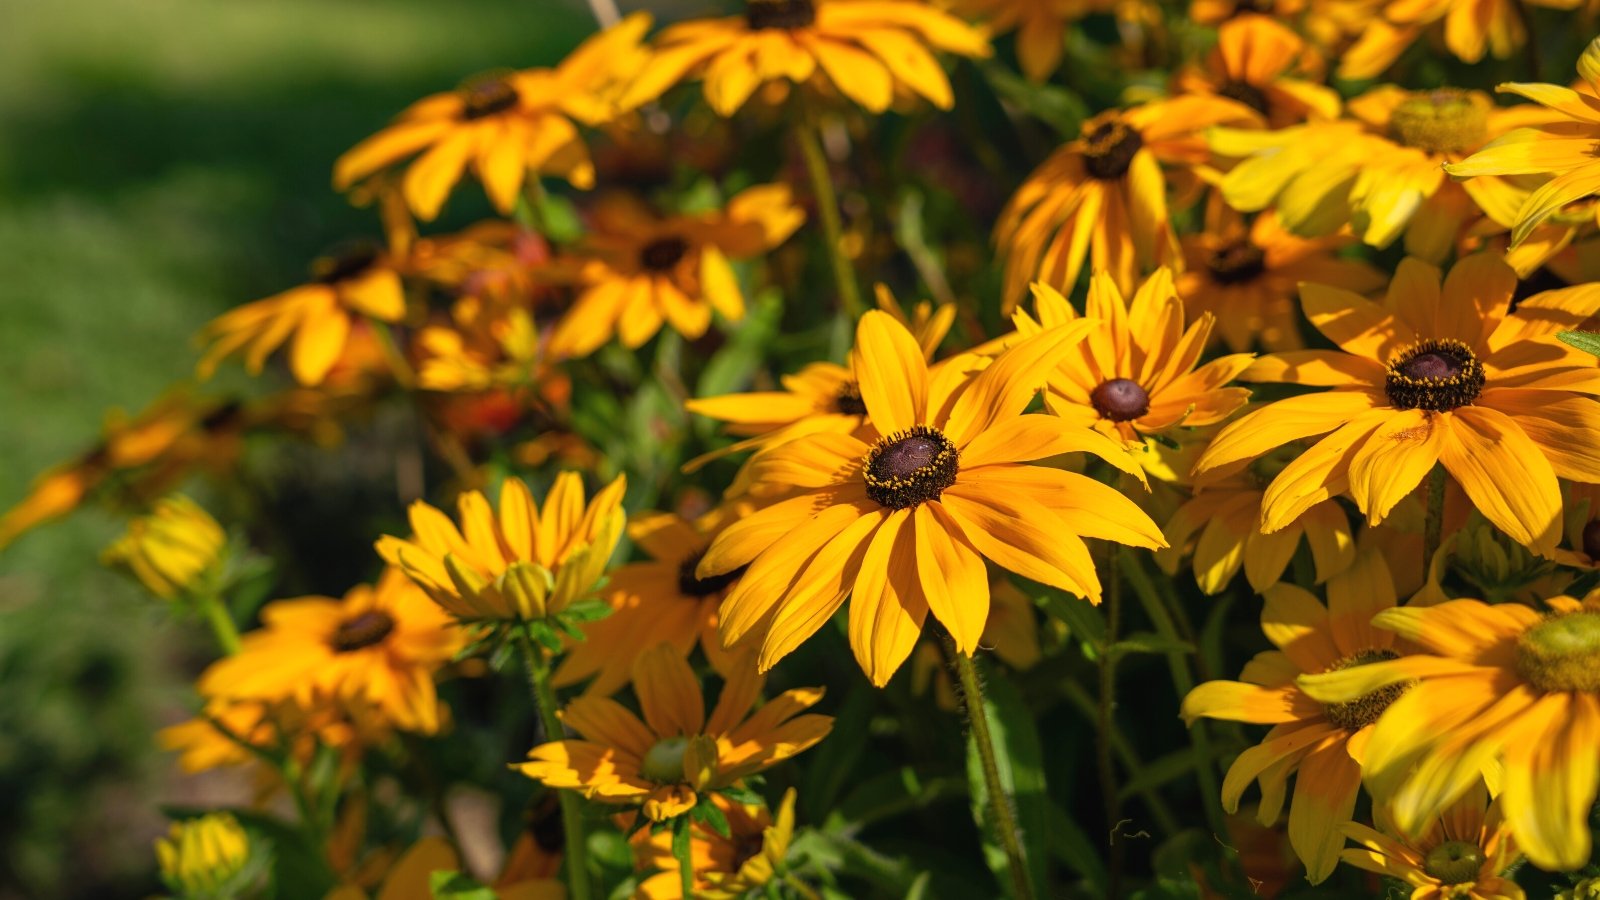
<point x="525" y="563"/>
<point x="171" y="549"/>
<point x="502" y="352"/>
<point x="1325" y="743"/>
<point x="204" y="856"/>
<point x="505" y="125"/>
<point x="666" y="760"/>
<point x="1261" y="63"/>
<point x="901" y="522"/>
<point x="1040" y="26"/>
<point x="865" y="50"/>
<point x="410" y="877"/>
<point x="1469" y="27"/>
<point x="1462" y="855"/>
<point x="1011" y="633"/>
<point x="1428" y="376"/>
<point x="724" y="867"/>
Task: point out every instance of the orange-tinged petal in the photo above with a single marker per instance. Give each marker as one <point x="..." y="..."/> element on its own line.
<point x="888" y="606"/>
<point x="891" y="372"/>
<point x="1505" y="475"/>
<point x="955" y="582"/>
<point x="669" y="693"/>
<point x="1324" y="798"/>
<point x="1239" y="702"/>
<point x="1294" y="621"/>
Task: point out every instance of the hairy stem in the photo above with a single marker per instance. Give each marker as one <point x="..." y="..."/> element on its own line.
<point x="1106" y="725"/>
<point x="806" y="134"/>
<point x="1005" y="821"/>
<point x="544" y="697"/>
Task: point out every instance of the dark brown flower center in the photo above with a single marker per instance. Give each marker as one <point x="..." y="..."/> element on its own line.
<point x="849" y="402"/>
<point x="1436" y="375"/>
<point x="910" y="467"/>
<point x="545" y="824"/>
<point x="486" y="94"/>
<point x="1446" y="120"/>
<point x="690" y="586"/>
<point x="662" y="254"/>
<point x="345" y="262"/>
<point x="1120" y="400"/>
<point x="1246" y="93"/>
<point x="1591" y="539"/>
<point x="1108" y="148"/>
<point x="1562" y="653"/>
<point x="761" y="14"/>
<point x="1354" y="715"/>
<point x="362" y="630"/>
<point x="747" y="847"/>
<point x="1237" y="262"/>
<point x="1454" y="862"/>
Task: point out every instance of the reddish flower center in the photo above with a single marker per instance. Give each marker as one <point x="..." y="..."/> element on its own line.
<point x="763" y="14"/>
<point x="485" y="95"/>
<point x="1237" y="262"/>
<point x="1109" y="146"/>
<point x="362" y="630"/>
<point x="910" y="467"/>
<point x="1120" y="400"/>
<point x="1436" y="375"/>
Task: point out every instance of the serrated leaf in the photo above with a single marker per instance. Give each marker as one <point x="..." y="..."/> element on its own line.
<point x="1019" y="759"/>
<point x="1587" y="341"/>
<point x="448" y="885"/>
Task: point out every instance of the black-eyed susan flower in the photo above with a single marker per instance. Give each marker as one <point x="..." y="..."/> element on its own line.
<point x="1323" y="744"/>
<point x="1431" y="375"/>
<point x="1040" y="27"/>
<point x="1380" y="169"/>
<point x="1504" y="686"/>
<point x="1245" y="276"/>
<point x="504" y="125"/>
<point x="1470" y="29"/>
<point x="1462" y="855"/>
<point x="316" y="317"/>
<point x="868" y="51"/>
<point x="1104" y="195"/>
<point x="901" y="522"/>
<point x="411" y="877"/>
<point x="726" y="867"/>
<point x="171" y="549"/>
<point x="521" y="564"/>
<point x="665" y="760"/>
<point x="1261" y="63"/>
<point x="1137" y="372"/>
<point x="639" y="270"/>
<point x="1562" y="147"/>
<point x="372" y="654"/>
<point x="205" y="856"/>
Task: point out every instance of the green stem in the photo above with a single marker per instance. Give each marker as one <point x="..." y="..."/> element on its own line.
<point x="1108" y="689"/>
<point x="404" y="375"/>
<point x="1433" y="530"/>
<point x="806" y="135"/>
<point x="686" y="869"/>
<point x="800" y="887"/>
<point x="544" y="696"/>
<point x="1079" y="697"/>
<point x="1005" y="823"/>
<point x="220" y="620"/>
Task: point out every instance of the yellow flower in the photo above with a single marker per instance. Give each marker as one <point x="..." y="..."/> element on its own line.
<point x="1470" y="27"/>
<point x="223" y="735"/>
<point x="372" y="654"/>
<point x="318" y="315"/>
<point x="639" y="270"/>
<point x="1105" y="195"/>
<point x="1254" y="63"/>
<point x="1326" y="743"/>
<point x="1041" y="27"/>
<point x="1137" y="372"/>
<point x="411" y="875"/>
<point x="524" y="564"/>
<point x="170" y="549"/>
<point x="1587" y="889"/>
<point x="504" y="125"/>
<point x="1462" y="855"/>
<point x="1429" y="376"/>
<point x="666" y="760"/>
<point x="725" y="868"/>
<point x="1380" y="170"/>
<point x="501" y="352"/>
<point x="866" y="50"/>
<point x="1502" y="686"/>
<point x="1563" y="147"/>
<point x="200" y="857"/>
<point x="902" y="521"/>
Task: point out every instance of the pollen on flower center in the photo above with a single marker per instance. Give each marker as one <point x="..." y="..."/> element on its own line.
<point x="486" y="94"/>
<point x="1109" y="145"/>
<point x="1437" y="375"/>
<point x="1446" y="120"/>
<point x="1120" y="400"/>
<point x="345" y="262"/>
<point x="1246" y="93"/>
<point x="662" y="254"/>
<point x="1237" y="262"/>
<point x="690" y="586"/>
<point x="849" y="402"/>
<point x="1354" y="715"/>
<point x="762" y="14"/>
<point x="1454" y="862"/>
<point x="663" y="762"/>
<point x="910" y="467"/>
<point x="1562" y="653"/>
<point x="362" y="630"/>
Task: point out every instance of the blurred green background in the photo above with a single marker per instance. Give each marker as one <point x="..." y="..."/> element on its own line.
<point x="160" y="161"/>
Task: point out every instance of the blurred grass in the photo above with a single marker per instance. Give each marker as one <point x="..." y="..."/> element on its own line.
<point x="160" y="161"/>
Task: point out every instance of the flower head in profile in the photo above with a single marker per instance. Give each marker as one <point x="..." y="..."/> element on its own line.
<point x="518" y="563"/>
<point x="1504" y="689"/>
<point x="639" y="270"/>
<point x="1431" y="375"/>
<point x="171" y="549"/>
<point x="1137" y="372"/>
<point x="505" y="125"/>
<point x="316" y="318"/>
<point x="902" y="521"/>
<point x="1261" y="63"/>
<point x="725" y="866"/>
<point x="868" y="51"/>
<point x="372" y="654"/>
<point x="1462" y="855"/>
<point x="665" y="761"/>
<point x="1323" y="744"/>
<point x="207" y="856"/>
<point x="1470" y="29"/>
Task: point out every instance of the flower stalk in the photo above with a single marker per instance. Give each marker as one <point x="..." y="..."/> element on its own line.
<point x="544" y="697"/>
<point x="1005" y="822"/>
<point x="807" y="133"/>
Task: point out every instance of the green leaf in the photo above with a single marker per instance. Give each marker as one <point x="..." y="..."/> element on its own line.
<point x="707" y="814"/>
<point x="1020" y="761"/>
<point x="1146" y="642"/>
<point x="1070" y="845"/>
<point x="680" y="838"/>
<point x="1587" y="341"/>
<point x="887" y="795"/>
<point x="448" y="885"/>
<point x="736" y="362"/>
<point x="545" y="635"/>
<point x="591" y="610"/>
<point x="742" y="795"/>
<point x="833" y="763"/>
<point x="1057" y="107"/>
<point x="1080" y="616"/>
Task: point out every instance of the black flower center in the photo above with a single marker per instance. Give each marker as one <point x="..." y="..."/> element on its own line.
<point x="1446" y="120"/>
<point x="690" y="586"/>
<point x="1437" y="375"/>
<point x="1108" y="148"/>
<point x="1246" y="93"/>
<point x="1354" y="715"/>
<point x="1562" y="653"/>
<point x="747" y="847"/>
<point x="1454" y="862"/>
<point x="1591" y="539"/>
<point x="345" y="262"/>
<point x="910" y="467"/>
<point x="1237" y="262"/>
<point x="761" y="14"/>
<point x="486" y="94"/>
<point x="1120" y="400"/>
<point x="362" y="630"/>
<point x="849" y="402"/>
<point x="662" y="254"/>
